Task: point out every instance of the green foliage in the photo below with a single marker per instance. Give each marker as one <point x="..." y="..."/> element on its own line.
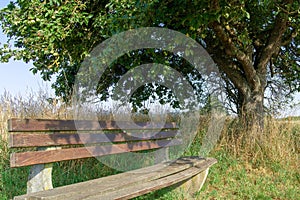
<point x="240" y="36"/>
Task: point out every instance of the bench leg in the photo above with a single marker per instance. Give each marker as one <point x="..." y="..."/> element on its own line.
<point x="194" y="184"/>
<point x="40" y="178"/>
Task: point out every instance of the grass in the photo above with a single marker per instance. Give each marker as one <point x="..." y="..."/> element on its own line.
<point x="232" y="178"/>
<point x="264" y="166"/>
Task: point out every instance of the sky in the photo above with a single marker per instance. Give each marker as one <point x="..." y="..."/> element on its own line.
<point x="15" y="76"/>
<point x="17" y="79"/>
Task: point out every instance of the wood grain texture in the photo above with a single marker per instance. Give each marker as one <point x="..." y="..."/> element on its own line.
<point x="144" y="188"/>
<point x="22" y="125"/>
<point x="58" y="139"/>
<point x="193" y="185"/>
<point x="129" y="184"/>
<point x="40" y="157"/>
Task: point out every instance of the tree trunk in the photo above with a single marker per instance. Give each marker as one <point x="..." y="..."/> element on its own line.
<point x="251" y="113"/>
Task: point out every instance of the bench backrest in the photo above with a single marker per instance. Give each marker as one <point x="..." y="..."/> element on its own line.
<point x="100" y="138"/>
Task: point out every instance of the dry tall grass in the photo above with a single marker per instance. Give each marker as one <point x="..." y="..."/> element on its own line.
<point x="278" y="143"/>
<point x="35" y="105"/>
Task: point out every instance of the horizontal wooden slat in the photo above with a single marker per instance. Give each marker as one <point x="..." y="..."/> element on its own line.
<point x="129" y="192"/>
<point x="40" y="157"/>
<point x="57" y="139"/>
<point x="19" y="125"/>
<point x="130" y="179"/>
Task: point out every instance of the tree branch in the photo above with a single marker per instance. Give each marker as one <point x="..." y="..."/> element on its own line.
<point x="274" y="42"/>
<point x="231" y="50"/>
<point x="289" y="39"/>
<point x="232" y="72"/>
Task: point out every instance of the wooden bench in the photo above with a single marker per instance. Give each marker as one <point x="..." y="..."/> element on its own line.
<point x="42" y="142"/>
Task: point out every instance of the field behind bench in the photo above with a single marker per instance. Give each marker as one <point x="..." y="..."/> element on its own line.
<point x="262" y="167"/>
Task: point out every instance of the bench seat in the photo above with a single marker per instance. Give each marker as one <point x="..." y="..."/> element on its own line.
<point x="129" y="184"/>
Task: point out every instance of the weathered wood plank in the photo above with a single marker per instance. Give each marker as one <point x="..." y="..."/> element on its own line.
<point x="128" y="192"/>
<point x="21" y="125"/>
<point x="58" y="139"/>
<point x="67" y="191"/>
<point x="192" y="185"/>
<point x="121" y="181"/>
<point x="40" y="157"/>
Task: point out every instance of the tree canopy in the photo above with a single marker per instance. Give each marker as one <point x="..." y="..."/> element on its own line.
<point x="255" y="43"/>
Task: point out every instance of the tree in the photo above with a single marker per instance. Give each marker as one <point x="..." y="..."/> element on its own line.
<point x="254" y="43"/>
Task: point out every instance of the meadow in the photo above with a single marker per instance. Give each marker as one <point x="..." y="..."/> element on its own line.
<point x="263" y="166"/>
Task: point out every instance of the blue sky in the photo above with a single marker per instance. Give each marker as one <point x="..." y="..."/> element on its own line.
<point x="15" y="76"/>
